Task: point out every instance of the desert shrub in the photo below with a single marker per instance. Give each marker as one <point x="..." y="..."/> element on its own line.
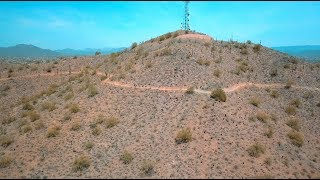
<point x="147" y="167"/>
<point x="88" y="145"/>
<point x="112" y="121"/>
<point x="161" y="38"/>
<point x="244" y="51"/>
<point x="219" y="95"/>
<point x="168" y="35"/>
<point x="255" y="101"/>
<point x="293" y="123"/>
<point x="53" y="131"/>
<point x="33" y="115"/>
<point x="256" y="48"/>
<point x="96" y="131"/>
<point x="288" y="85"/>
<point x="25" y="128"/>
<point x="74" y="108"/>
<point x="269" y="132"/>
<point x="134" y="45"/>
<point x="274" y="94"/>
<point x="48" y="105"/>
<point x="6" y="140"/>
<point x="92" y="90"/>
<point x="307" y="95"/>
<point x="190" y="90"/>
<point x="175" y="34"/>
<point x="256" y="150"/>
<point x="267" y="161"/>
<point x="100" y="119"/>
<point x="67" y="116"/>
<point x="217" y="72"/>
<point x="295" y="102"/>
<point x="38" y="125"/>
<point x="5" y="161"/>
<point x="296" y="138"/>
<point x="249" y="42"/>
<point x="273" y="72"/>
<point x="27" y="106"/>
<point x="148" y="64"/>
<point x="52" y="89"/>
<point x="165" y="52"/>
<point x="75" y="126"/>
<point x="203" y="62"/>
<point x="69" y="96"/>
<point x="262" y="116"/>
<point x="81" y="163"/>
<point x="126" y="157"/>
<point x="183" y="136"/>
<point x="102" y="78"/>
<point x="9" y="120"/>
<point x="97" y="53"/>
<point x="290" y="110"/>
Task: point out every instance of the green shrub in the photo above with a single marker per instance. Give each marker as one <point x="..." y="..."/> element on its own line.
<point x="81" y="163"/>
<point x="219" y="95"/>
<point x="126" y="157"/>
<point x="296" y="138"/>
<point x="256" y="150"/>
<point x="183" y="136"/>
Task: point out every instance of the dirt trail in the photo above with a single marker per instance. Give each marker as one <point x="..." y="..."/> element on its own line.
<point x="233" y="88"/>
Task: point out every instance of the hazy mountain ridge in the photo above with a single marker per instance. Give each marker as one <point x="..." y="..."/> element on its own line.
<point x="309" y="52"/>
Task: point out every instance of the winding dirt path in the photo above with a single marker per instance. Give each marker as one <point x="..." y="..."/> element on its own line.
<point x="230" y="89"/>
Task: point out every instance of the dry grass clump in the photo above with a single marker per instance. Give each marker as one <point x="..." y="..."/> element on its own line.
<point x="219" y="95"/>
<point x="293" y="123"/>
<point x="69" y="96"/>
<point x="184" y="136"/>
<point x="81" y="163"/>
<point x="256" y="48"/>
<point x="217" y="73"/>
<point x="295" y="102"/>
<point x="262" y="116"/>
<point x="255" y="101"/>
<point x="88" y="145"/>
<point x="112" y="121"/>
<point x="52" y="89"/>
<point x="76" y="126"/>
<point x="6" y="140"/>
<point x="67" y="116"/>
<point x="269" y="132"/>
<point x="49" y="105"/>
<point x="296" y="138"/>
<point x="92" y="90"/>
<point x="53" y="131"/>
<point x="38" y="125"/>
<point x="190" y="90"/>
<point x="96" y="131"/>
<point x="203" y="62"/>
<point x="273" y="72"/>
<point x="147" y="168"/>
<point x="33" y="115"/>
<point x="73" y="108"/>
<point x="290" y="110"/>
<point x="256" y="150"/>
<point x="288" y="85"/>
<point x="5" y="161"/>
<point x="126" y="157"/>
<point x="25" y="128"/>
<point x="9" y="120"/>
<point x="27" y="106"/>
<point x="274" y="94"/>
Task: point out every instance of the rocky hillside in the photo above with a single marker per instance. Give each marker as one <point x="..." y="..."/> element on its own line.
<point x="180" y="105"/>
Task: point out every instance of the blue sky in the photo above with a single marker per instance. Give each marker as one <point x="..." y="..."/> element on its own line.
<point x="78" y="25"/>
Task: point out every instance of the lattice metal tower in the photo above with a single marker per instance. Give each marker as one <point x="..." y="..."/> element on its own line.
<point x="185" y="23"/>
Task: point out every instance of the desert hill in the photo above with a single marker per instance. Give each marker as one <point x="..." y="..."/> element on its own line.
<point x="148" y="112"/>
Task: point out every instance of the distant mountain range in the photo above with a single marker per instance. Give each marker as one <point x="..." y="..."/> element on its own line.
<point x="25" y="50"/>
<point x="309" y="52"/>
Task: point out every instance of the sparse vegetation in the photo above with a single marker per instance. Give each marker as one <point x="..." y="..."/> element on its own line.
<point x="134" y="45"/>
<point x="81" y="163"/>
<point x="262" y="116"/>
<point x="219" y="95"/>
<point x="49" y="105"/>
<point x="126" y="157"/>
<point x="256" y="48"/>
<point x="74" y="108"/>
<point x="203" y="62"/>
<point x="256" y="150"/>
<point x="269" y="132"/>
<point x="6" y="140"/>
<point x="274" y="94"/>
<point x="53" y="131"/>
<point x="38" y="125"/>
<point x="183" y="136"/>
<point x="295" y="102"/>
<point x="33" y="115"/>
<point x="76" y="126"/>
<point x="147" y="168"/>
<point x="9" y="120"/>
<point x="190" y="90"/>
<point x="25" y="128"/>
<point x="69" y="96"/>
<point x="217" y="73"/>
<point x="290" y="110"/>
<point x="27" y="106"/>
<point x="296" y="138"/>
<point x="288" y="84"/>
<point x="273" y="72"/>
<point x="255" y="101"/>
<point x="112" y="121"/>
<point x="96" y="131"/>
<point x="293" y="123"/>
<point x="5" y="161"/>
<point x="92" y="90"/>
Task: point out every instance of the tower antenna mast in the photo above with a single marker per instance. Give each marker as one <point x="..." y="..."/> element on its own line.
<point x="185" y="23"/>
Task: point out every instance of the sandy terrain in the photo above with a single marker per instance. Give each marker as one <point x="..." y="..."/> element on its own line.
<point x="144" y="88"/>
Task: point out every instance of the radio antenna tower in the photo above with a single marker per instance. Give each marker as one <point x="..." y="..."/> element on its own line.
<point x="185" y="23"/>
